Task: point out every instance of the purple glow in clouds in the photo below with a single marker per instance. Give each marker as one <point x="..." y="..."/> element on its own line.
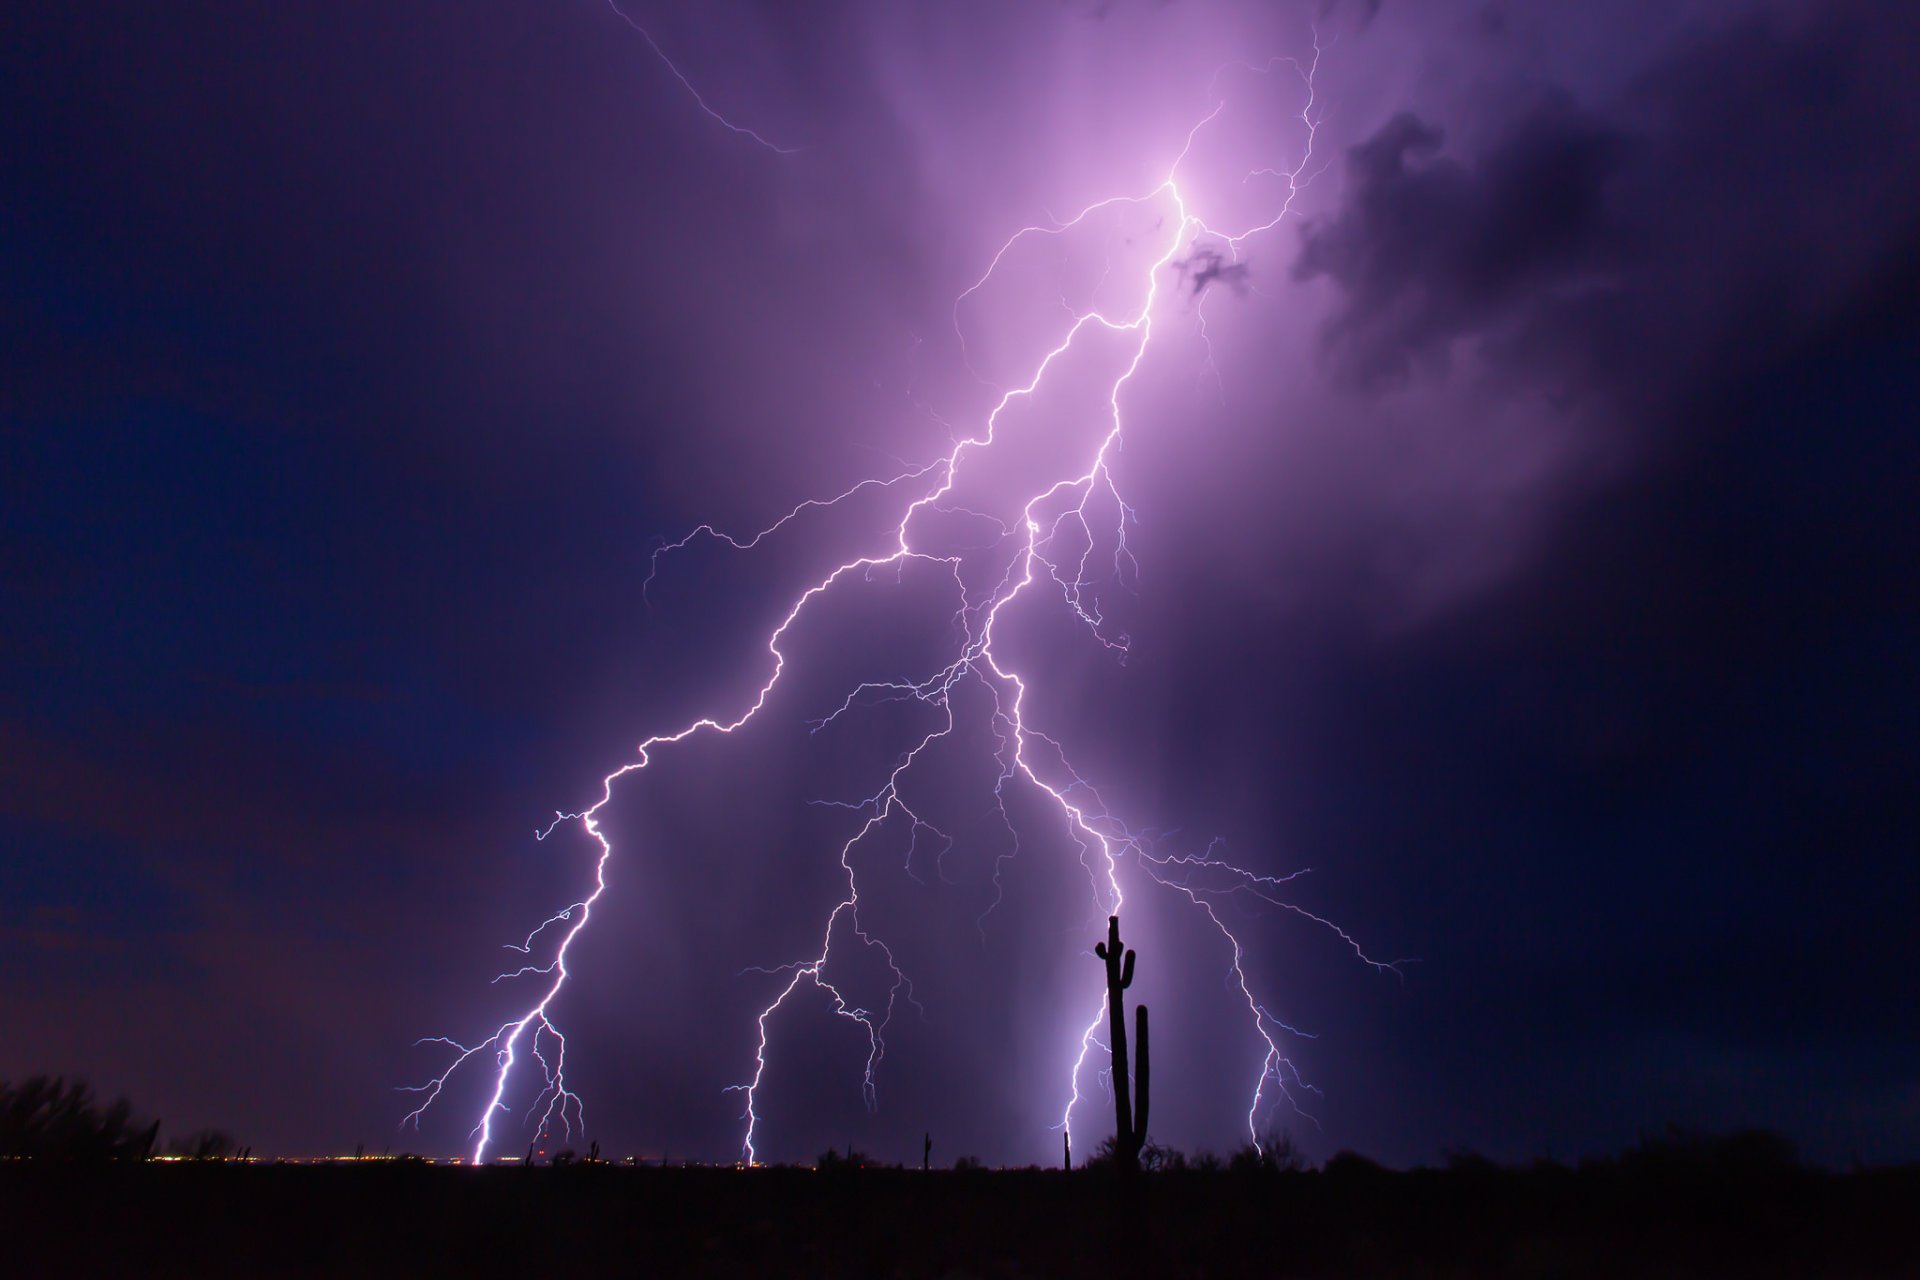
<point x="1024" y="508"/>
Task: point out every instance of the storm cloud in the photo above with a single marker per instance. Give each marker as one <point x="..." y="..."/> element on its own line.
<point x="1527" y="549"/>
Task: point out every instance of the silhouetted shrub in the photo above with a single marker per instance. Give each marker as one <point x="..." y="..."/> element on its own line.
<point x="1463" y="1160"/>
<point x="1745" y="1156"/>
<point x="207" y="1144"/>
<point x="969" y="1164"/>
<point x="1353" y="1166"/>
<point x="831" y="1161"/>
<point x="1276" y="1152"/>
<point x="46" y="1118"/>
<point x="1156" y="1158"/>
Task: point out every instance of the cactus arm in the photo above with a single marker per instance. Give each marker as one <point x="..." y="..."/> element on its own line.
<point x="1142" y="1069"/>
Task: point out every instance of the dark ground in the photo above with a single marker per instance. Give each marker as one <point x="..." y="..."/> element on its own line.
<point x="1352" y="1219"/>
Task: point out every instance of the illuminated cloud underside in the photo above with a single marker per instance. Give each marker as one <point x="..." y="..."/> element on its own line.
<point x="1064" y="534"/>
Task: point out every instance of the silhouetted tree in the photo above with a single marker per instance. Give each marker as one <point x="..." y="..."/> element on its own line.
<point x="52" y="1118"/>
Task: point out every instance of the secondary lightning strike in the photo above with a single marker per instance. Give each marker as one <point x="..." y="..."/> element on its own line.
<point x="692" y="92"/>
<point x="1103" y="840"/>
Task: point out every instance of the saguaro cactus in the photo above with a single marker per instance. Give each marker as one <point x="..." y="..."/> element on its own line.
<point x="1130" y="1096"/>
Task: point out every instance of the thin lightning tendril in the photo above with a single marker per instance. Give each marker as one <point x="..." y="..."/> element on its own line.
<point x="1058" y="513"/>
<point x="692" y="92"/>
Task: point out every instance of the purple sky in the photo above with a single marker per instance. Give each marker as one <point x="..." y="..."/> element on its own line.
<point x="1530" y="555"/>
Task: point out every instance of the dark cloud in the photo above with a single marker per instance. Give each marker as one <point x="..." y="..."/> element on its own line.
<point x="351" y="362"/>
<point x="1369" y="9"/>
<point x="1687" y="700"/>
<point x="1208" y="266"/>
<point x="1429" y="251"/>
<point x="1742" y="194"/>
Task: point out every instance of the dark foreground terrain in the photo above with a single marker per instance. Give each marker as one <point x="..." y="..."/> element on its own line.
<point x="1352" y="1219"/>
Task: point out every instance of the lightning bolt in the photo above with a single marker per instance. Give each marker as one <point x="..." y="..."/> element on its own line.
<point x="692" y="92"/>
<point x="1049" y="546"/>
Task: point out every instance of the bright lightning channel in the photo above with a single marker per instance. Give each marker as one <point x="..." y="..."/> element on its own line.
<point x="1103" y="840"/>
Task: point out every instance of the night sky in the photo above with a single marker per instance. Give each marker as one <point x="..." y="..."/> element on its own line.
<point x="1533" y="556"/>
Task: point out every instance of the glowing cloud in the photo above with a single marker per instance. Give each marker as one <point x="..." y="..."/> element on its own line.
<point x="1063" y="532"/>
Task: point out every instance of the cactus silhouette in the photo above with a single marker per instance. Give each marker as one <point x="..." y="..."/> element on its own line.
<point x="1130" y="1097"/>
<point x="926" y="1152"/>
